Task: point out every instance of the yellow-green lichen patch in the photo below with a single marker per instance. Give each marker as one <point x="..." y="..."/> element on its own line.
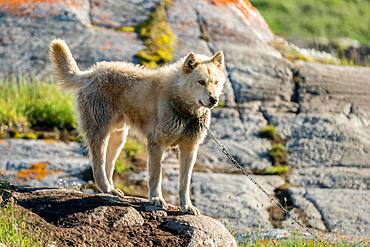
<point x="128" y="29"/>
<point x="157" y="37"/>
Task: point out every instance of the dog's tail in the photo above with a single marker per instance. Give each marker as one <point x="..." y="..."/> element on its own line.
<point x="64" y="65"/>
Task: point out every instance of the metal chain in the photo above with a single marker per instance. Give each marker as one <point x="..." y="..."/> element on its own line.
<point x="245" y="172"/>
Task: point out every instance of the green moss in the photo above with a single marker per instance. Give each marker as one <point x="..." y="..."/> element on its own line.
<point x="157" y="37"/>
<point x="221" y="104"/>
<point x="278" y="155"/>
<point x="276" y="170"/>
<point x="126" y="29"/>
<point x="30" y="135"/>
<point x="15" y="134"/>
<point x="271" y="132"/>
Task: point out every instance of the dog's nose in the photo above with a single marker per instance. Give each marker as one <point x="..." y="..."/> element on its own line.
<point x="212" y="100"/>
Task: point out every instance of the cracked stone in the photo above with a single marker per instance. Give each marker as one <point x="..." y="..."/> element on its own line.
<point x="344" y="211"/>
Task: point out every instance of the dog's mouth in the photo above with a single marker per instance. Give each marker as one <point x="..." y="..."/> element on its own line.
<point x="207" y="106"/>
<point x="201" y="103"/>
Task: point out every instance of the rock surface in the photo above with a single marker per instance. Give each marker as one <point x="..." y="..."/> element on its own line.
<point x="108" y="220"/>
<point x="339" y="210"/>
<point x="43" y="163"/>
<point x="322" y="111"/>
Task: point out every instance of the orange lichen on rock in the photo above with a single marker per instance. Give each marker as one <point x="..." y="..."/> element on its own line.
<point x="37" y="170"/>
<point x="246" y="8"/>
<point x="50" y="141"/>
<point x="244" y="5"/>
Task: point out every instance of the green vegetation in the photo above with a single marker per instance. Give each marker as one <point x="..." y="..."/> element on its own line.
<point x="30" y="103"/>
<point x="270" y="132"/>
<point x="4" y="185"/>
<point x="122" y="165"/>
<point x="276" y="170"/>
<point x="221" y="104"/>
<point x="14" y="231"/>
<point x="295" y="241"/>
<point x="128" y="29"/>
<point x="157" y="37"/>
<point x="294" y="53"/>
<point x="317" y="20"/>
<point x="278" y="154"/>
<point x="132" y="150"/>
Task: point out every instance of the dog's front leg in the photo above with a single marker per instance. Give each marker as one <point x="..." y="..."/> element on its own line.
<point x="188" y="155"/>
<point x="155" y="152"/>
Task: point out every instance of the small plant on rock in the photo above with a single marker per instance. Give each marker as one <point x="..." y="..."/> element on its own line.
<point x="270" y="132"/>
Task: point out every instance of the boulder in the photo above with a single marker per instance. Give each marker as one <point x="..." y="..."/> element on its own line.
<point x="63" y="215"/>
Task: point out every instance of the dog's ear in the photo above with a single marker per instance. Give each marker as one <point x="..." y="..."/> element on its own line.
<point x="218" y="59"/>
<point x="190" y="63"/>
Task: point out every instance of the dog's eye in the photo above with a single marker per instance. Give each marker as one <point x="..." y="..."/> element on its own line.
<point x="216" y="82"/>
<point x="202" y="82"/>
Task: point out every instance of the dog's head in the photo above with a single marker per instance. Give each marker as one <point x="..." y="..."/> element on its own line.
<point x="204" y="79"/>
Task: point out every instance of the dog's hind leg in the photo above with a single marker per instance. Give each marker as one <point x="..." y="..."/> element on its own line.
<point x="116" y="142"/>
<point x="97" y="140"/>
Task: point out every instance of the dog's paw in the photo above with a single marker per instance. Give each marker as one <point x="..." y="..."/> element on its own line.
<point x="117" y="192"/>
<point x="190" y="209"/>
<point x="158" y="202"/>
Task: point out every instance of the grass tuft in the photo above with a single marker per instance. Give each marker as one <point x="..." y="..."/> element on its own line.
<point x="14" y="231"/>
<point x="295" y="241"/>
<point x="30" y="103"/>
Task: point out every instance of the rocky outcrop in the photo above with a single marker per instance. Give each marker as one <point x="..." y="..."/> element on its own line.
<point x="322" y="111"/>
<point x="107" y="220"/>
<point x="43" y="163"/>
<point x="26" y="29"/>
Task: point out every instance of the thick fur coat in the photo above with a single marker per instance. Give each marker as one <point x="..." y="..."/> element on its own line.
<point x="167" y="106"/>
